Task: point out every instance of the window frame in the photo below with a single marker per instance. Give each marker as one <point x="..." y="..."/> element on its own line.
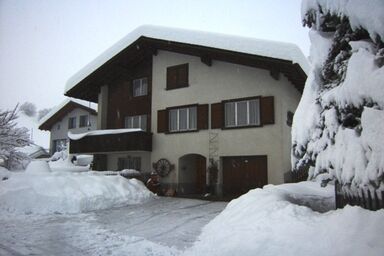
<point x="141" y="84"/>
<point x="87" y="123"/>
<point x="129" y="161"/>
<point x="235" y="101"/>
<point x="140" y="121"/>
<point x="70" y="123"/>
<point x="178" y="108"/>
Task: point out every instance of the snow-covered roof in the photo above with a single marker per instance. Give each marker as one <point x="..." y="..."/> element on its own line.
<point x="55" y="110"/>
<point x="79" y="136"/>
<point x="265" y="48"/>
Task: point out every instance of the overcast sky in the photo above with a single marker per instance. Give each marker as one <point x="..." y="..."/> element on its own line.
<point x="43" y="43"/>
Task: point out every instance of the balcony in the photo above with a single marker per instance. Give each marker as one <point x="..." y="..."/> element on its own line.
<point x="104" y="141"/>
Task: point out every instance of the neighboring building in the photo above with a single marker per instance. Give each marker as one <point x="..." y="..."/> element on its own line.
<point x="34" y="151"/>
<point x="72" y="116"/>
<point x="204" y="101"/>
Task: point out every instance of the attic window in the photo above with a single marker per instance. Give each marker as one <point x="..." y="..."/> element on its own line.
<point x="140" y="87"/>
<point x="177" y="76"/>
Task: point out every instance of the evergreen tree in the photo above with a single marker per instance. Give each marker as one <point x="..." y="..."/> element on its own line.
<point x="336" y="124"/>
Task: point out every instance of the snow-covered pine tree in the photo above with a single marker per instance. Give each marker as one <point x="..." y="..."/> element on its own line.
<point x="338" y="127"/>
<point x="11" y="138"/>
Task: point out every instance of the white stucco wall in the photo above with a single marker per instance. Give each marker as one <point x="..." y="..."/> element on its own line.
<point x="213" y="84"/>
<point x="62" y="132"/>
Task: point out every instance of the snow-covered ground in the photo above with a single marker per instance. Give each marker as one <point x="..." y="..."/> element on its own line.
<point x="61" y="212"/>
<point x="161" y="226"/>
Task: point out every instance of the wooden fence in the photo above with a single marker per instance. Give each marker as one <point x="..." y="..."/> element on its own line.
<point x="365" y="199"/>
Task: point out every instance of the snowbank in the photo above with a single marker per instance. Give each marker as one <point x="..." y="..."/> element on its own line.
<point x="4" y="173"/>
<point x="38" y="167"/>
<point x="266" y="222"/>
<point x="60" y="192"/>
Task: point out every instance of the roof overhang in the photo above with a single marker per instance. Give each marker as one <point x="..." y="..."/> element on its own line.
<point x="144" y="47"/>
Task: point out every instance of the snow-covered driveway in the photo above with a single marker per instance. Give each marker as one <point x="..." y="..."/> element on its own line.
<point x="162" y="226"/>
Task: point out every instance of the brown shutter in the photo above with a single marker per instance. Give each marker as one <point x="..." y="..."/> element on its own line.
<point x="182" y="75"/>
<point x="217" y="115"/>
<point x="171" y="78"/>
<point x="177" y="76"/>
<point x="267" y="110"/>
<point x="162" y="121"/>
<point x="202" y="117"/>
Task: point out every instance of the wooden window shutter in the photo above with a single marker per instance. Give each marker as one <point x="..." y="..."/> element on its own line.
<point x="162" y="121"/>
<point x="202" y="117"/>
<point x="177" y="76"/>
<point x="267" y="110"/>
<point x="217" y="115"/>
<point x="171" y="78"/>
<point x="182" y="75"/>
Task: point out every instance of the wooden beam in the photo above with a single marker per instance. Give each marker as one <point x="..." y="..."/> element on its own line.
<point x="206" y="60"/>
<point x="275" y="74"/>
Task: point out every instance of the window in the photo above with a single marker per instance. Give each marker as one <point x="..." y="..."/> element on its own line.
<point x="84" y="121"/>
<point x="136" y="122"/>
<point x="58" y="127"/>
<point x="183" y="119"/>
<point x="242" y="113"/>
<point x="129" y="163"/>
<point x="177" y="76"/>
<point x="140" y="87"/>
<point x="72" y="122"/>
<point x="59" y="145"/>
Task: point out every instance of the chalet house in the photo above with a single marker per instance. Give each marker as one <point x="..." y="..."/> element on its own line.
<point x="72" y="116"/>
<point x="201" y="109"/>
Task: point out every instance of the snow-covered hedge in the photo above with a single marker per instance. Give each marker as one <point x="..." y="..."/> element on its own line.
<point x="337" y="128"/>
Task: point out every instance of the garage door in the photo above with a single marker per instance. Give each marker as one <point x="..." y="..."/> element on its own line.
<point x="242" y="173"/>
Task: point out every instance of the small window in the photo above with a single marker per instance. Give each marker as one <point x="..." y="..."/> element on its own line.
<point x="177" y="76"/>
<point x="58" y="127"/>
<point x="140" y="87"/>
<point x="242" y="113"/>
<point x="59" y="145"/>
<point x="183" y="119"/>
<point x="84" y="121"/>
<point x="72" y="122"/>
<point x="136" y="122"/>
<point x="129" y="163"/>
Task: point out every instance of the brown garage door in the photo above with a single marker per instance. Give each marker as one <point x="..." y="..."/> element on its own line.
<point x="242" y="173"/>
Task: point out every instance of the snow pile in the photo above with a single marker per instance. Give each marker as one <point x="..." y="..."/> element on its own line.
<point x="84" y="160"/>
<point x="337" y="125"/>
<point x="4" y="173"/>
<point x="60" y="192"/>
<point x="265" y="222"/>
<point x="38" y="167"/>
